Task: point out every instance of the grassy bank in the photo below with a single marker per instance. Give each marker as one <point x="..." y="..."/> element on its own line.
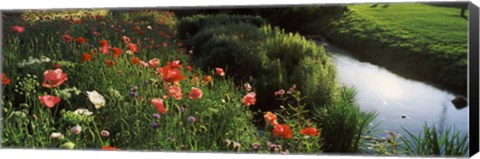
<point x="416" y="40"/>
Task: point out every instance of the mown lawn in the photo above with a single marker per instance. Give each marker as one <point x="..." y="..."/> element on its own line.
<point x="425" y="23"/>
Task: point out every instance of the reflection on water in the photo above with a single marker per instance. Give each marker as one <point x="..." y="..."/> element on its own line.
<point x="393" y="96"/>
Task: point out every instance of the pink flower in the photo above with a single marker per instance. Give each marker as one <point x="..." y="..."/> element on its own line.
<point x="48" y="100"/>
<point x="220" y="71"/>
<point x="176" y="92"/>
<point x="159" y="105"/>
<point x="53" y="78"/>
<point x="104" y="49"/>
<point x="153" y="63"/>
<point x="96" y="33"/>
<point x="195" y="93"/>
<point x="176" y="64"/>
<point x="144" y="64"/>
<point x="67" y="38"/>
<point x="126" y="39"/>
<point x="249" y="99"/>
<point x="133" y="47"/>
<point x="18" y="29"/>
<point x="247" y="87"/>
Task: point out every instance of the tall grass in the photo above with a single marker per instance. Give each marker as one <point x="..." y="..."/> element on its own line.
<point x="432" y="142"/>
<point x="343" y="123"/>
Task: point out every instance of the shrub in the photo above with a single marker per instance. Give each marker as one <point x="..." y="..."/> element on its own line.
<point x="193" y="24"/>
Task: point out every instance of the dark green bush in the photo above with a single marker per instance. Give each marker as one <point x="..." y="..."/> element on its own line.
<point x="193" y="24"/>
<point x="274" y="59"/>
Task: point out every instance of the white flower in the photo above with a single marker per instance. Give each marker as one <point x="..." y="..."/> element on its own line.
<point x="57" y="135"/>
<point x="149" y="27"/>
<point x="97" y="99"/>
<point x="83" y="111"/>
<point x="76" y="129"/>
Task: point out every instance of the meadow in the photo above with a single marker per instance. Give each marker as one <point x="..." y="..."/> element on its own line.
<point x="152" y="81"/>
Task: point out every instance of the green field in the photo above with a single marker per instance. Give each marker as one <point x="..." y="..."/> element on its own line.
<point x="424" y="23"/>
<point x="422" y="41"/>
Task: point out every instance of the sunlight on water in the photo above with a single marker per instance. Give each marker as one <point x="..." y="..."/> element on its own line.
<point x="399" y="101"/>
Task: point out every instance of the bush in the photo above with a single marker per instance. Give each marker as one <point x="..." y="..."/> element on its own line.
<point x="193" y="24"/>
<point x="274" y="59"/>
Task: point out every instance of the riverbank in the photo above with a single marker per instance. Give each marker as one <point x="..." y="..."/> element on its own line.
<point x="418" y="41"/>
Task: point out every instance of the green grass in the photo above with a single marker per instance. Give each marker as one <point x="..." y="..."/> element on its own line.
<point x="420" y="23"/>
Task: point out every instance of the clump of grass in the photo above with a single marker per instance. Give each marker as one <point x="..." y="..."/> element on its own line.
<point x="343" y="123"/>
<point x="432" y="142"/>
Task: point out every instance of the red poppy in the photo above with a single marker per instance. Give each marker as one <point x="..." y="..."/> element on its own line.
<point x="53" y="78"/>
<point x="67" y="38"/>
<point x="162" y="33"/>
<point x="175" y="92"/>
<point x="18" y="29"/>
<point x="153" y="63"/>
<point x="170" y="74"/>
<point x="207" y="78"/>
<point x="5" y="80"/>
<point x="136" y="28"/>
<point x="86" y="57"/>
<point x="135" y="60"/>
<point x="110" y="63"/>
<point x="219" y="71"/>
<point x="189" y="68"/>
<point x="109" y="148"/>
<point x="249" y="99"/>
<point x="311" y="131"/>
<point x="175" y="64"/>
<point x="271" y="118"/>
<point x="164" y="44"/>
<point x="104" y="49"/>
<point x="282" y="130"/>
<point x="48" y="100"/>
<point x="80" y="40"/>
<point x="180" y="44"/>
<point x="126" y="39"/>
<point x="56" y="65"/>
<point x="140" y="32"/>
<point x="195" y="93"/>
<point x="103" y="43"/>
<point x="116" y="52"/>
<point x="133" y="47"/>
<point x="96" y="33"/>
<point x="159" y="105"/>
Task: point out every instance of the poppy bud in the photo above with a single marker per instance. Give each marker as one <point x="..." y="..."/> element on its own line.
<point x="76" y="130"/>
<point x="105" y="133"/>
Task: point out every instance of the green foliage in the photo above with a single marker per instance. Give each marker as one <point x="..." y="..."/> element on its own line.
<point x="273" y="58"/>
<point x="191" y="25"/>
<point x="343" y="123"/>
<point x="27" y="123"/>
<point x="432" y="142"/>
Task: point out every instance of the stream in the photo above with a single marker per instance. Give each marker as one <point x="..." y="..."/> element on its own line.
<point x="397" y="100"/>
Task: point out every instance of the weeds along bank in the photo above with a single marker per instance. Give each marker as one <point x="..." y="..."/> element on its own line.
<point x="266" y="57"/>
<point x="292" y="76"/>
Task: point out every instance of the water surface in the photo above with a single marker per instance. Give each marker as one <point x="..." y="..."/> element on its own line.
<point x="394" y="96"/>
